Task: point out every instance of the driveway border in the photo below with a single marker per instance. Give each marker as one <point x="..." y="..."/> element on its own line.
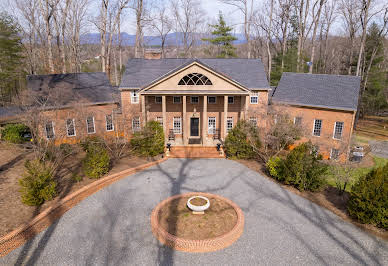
<point x="20" y="235"/>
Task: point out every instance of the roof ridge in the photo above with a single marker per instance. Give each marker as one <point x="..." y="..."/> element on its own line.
<point x="322" y="74"/>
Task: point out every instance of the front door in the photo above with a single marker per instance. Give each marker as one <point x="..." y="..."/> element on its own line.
<point x="194" y="127"/>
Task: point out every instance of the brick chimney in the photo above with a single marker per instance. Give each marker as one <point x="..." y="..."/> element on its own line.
<point x="152" y="54"/>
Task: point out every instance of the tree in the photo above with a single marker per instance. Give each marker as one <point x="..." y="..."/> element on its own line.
<point x="10" y="58"/>
<point x="162" y="24"/>
<point x="222" y="38"/>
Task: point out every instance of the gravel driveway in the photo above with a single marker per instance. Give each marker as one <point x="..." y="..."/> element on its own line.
<point x="113" y="225"/>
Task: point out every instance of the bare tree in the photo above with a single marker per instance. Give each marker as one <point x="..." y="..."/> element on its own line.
<point x="316" y="22"/>
<point x="247" y="9"/>
<point x="162" y="24"/>
<point x="60" y="19"/>
<point x="138" y="7"/>
<point x="328" y="19"/>
<point x="302" y="7"/>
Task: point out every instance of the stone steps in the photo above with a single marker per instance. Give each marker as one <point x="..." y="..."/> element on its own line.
<point x="194" y="152"/>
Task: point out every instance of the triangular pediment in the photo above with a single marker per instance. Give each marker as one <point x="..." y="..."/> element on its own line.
<point x="195" y="77"/>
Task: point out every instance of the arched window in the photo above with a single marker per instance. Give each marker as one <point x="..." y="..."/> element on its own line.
<point x="195" y="79"/>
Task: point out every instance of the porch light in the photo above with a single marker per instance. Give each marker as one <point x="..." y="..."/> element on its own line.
<point x="218" y="146"/>
<point x="169" y="146"/>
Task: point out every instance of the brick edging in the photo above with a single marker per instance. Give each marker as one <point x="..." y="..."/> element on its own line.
<point x="196" y="246"/>
<point x="43" y="220"/>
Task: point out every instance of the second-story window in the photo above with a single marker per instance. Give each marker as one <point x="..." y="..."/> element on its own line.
<point x="176" y="99"/>
<point x="254" y="98"/>
<point x="230" y="100"/>
<point x="212" y="99"/>
<point x="109" y="123"/>
<point x="317" y="127"/>
<point x="338" y="128"/>
<point x="70" y="127"/>
<point x="158" y="99"/>
<point x="134" y="97"/>
<point x="194" y="99"/>
<point x="90" y="128"/>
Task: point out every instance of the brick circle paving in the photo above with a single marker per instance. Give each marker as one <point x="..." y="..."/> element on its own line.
<point x="189" y="245"/>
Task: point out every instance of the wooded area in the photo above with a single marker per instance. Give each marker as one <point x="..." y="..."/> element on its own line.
<point x="346" y="37"/>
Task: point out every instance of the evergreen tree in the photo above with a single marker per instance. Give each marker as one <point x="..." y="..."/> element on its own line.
<point x="10" y="58"/>
<point x="373" y="99"/>
<point x="222" y="38"/>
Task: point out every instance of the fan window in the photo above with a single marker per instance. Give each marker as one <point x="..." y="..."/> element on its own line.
<point x="195" y="79"/>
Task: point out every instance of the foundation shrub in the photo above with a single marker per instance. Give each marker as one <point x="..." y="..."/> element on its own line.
<point x="302" y="168"/>
<point x="91" y="143"/>
<point x="150" y="141"/>
<point x="242" y="141"/>
<point x="37" y="184"/>
<point x="13" y="133"/>
<point x="368" y="201"/>
<point x="66" y="149"/>
<point x="96" y="162"/>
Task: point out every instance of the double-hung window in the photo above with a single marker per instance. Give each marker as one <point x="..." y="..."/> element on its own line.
<point x="211" y="129"/>
<point x="194" y="99"/>
<point x="158" y="99"/>
<point x="230" y="99"/>
<point x="317" y="127"/>
<point x="229" y="124"/>
<point x="177" y="125"/>
<point x="338" y="128"/>
<point x="298" y="120"/>
<point x="212" y="99"/>
<point x="136" y="123"/>
<point x="109" y="123"/>
<point x="49" y="127"/>
<point x="334" y="154"/>
<point x="134" y="97"/>
<point x="254" y="98"/>
<point x="160" y="120"/>
<point x="176" y="99"/>
<point x="90" y="128"/>
<point x="70" y="127"/>
<point x="253" y="121"/>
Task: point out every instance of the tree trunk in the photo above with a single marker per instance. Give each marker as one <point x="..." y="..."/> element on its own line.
<point x="364" y="20"/>
<point x="316" y="22"/>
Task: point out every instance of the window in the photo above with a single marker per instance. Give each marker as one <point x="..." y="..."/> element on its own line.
<point x="334" y="154"/>
<point x="212" y="99"/>
<point x="253" y="121"/>
<point x="177" y="125"/>
<point x="134" y="97"/>
<point x="194" y="99"/>
<point x="211" y="125"/>
<point x="338" y="128"/>
<point x="195" y="79"/>
<point x="229" y="124"/>
<point x="177" y="99"/>
<point x="109" y="122"/>
<point x="298" y="120"/>
<point x="254" y="98"/>
<point x="317" y="127"/>
<point x="50" y="134"/>
<point x="230" y="99"/>
<point x="160" y="120"/>
<point x="158" y="99"/>
<point x="136" y="123"/>
<point x="90" y="125"/>
<point x="70" y="127"/>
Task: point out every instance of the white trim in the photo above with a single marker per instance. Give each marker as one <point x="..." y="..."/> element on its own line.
<point x="191" y="99"/>
<point x="253" y="95"/>
<point x="161" y="100"/>
<point x="320" y="131"/>
<point x="228" y="119"/>
<point x="67" y="128"/>
<point x="342" y="130"/>
<point x="135" y="97"/>
<point x="208" y="97"/>
<point x="179" y="119"/>
<point x="106" y="124"/>
<point x="94" y="125"/>
<point x="213" y="130"/>
<point x="331" y="153"/>
<point x="232" y="100"/>
<point x="173" y="99"/>
<point x="52" y="126"/>
<point x="133" y="120"/>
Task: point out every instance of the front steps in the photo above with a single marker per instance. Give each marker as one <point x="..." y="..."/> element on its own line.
<point x="194" y="152"/>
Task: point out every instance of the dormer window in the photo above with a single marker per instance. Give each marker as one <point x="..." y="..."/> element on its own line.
<point x="195" y="79"/>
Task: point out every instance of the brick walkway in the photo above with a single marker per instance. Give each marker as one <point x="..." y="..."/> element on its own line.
<point x="113" y="225"/>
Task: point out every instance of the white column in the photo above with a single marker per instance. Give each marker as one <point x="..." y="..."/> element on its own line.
<point x="143" y="109"/>
<point x="225" y="115"/>
<point x="164" y="118"/>
<point x="204" y="120"/>
<point x="184" y="121"/>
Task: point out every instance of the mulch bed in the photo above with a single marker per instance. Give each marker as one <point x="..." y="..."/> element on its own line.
<point x="329" y="198"/>
<point x="178" y="220"/>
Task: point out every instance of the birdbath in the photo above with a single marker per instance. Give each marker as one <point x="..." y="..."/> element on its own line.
<point x="198" y="204"/>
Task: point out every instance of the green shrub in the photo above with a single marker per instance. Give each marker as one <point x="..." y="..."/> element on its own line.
<point x="96" y="162"/>
<point x="13" y="133"/>
<point x="76" y="178"/>
<point x="149" y="141"/>
<point x="37" y="184"/>
<point x="301" y="168"/>
<point x="242" y="140"/>
<point x="368" y="201"/>
<point x="90" y="143"/>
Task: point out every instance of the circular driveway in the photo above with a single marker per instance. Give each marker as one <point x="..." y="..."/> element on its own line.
<point x="113" y="225"/>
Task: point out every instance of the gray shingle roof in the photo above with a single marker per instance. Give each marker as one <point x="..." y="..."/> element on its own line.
<point x="249" y="73"/>
<point x="93" y="87"/>
<point x="320" y="90"/>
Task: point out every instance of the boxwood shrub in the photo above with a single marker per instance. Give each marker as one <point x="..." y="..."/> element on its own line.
<point x="368" y="201"/>
<point x="96" y="162"/>
<point x="150" y="141"/>
<point x="13" y="133"/>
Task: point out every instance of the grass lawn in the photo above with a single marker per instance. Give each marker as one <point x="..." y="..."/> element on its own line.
<point x="355" y="173"/>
